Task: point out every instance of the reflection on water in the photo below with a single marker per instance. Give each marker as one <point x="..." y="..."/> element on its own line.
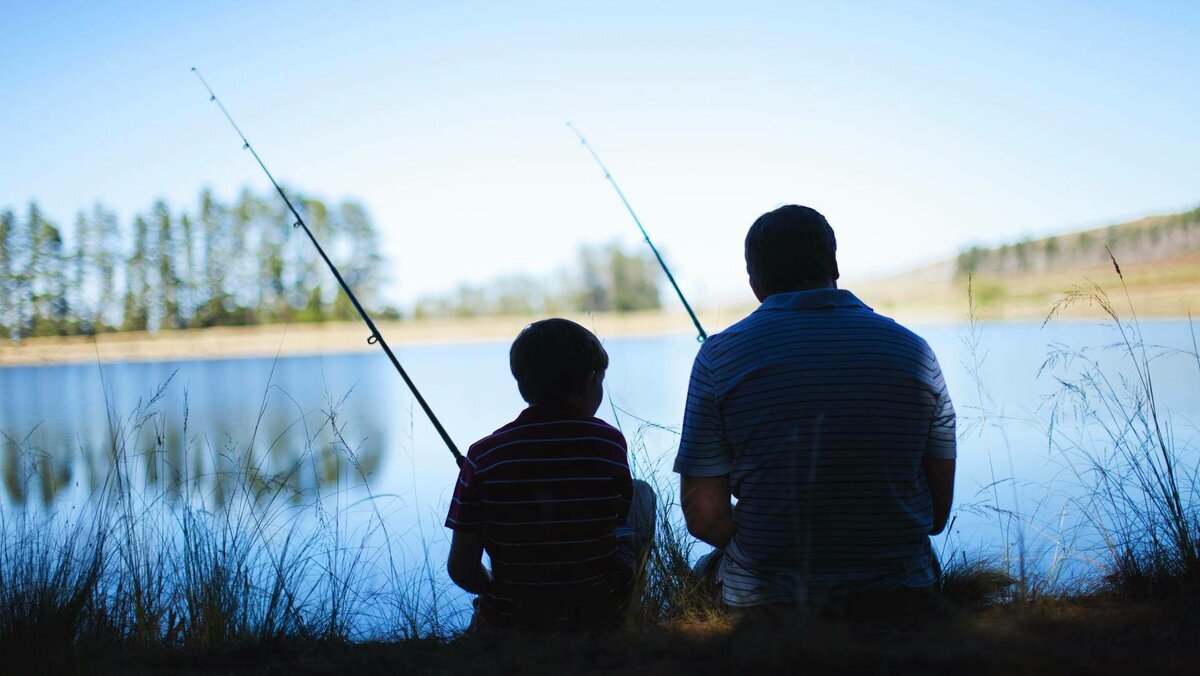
<point x="176" y="425"/>
<point x="305" y="426"/>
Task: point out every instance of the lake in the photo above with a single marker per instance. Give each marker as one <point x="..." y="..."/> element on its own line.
<point x="342" y="433"/>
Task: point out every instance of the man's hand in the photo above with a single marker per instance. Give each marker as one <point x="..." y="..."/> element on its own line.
<point x="706" y="508"/>
<point x="939" y="474"/>
<point x="465" y="564"/>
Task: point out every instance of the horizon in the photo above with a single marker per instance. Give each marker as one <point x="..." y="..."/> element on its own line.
<point x="986" y="124"/>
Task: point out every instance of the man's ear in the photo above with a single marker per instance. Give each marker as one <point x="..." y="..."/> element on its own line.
<point x="757" y="294"/>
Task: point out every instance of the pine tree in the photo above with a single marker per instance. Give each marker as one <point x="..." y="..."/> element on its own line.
<point x="187" y="283"/>
<point x="80" y="286"/>
<point x="244" y="274"/>
<point x="166" y="277"/>
<point x="270" y="264"/>
<point x="213" y="219"/>
<point x="56" y="282"/>
<point x="31" y="281"/>
<point x="363" y="265"/>
<point x="136" y="313"/>
<point x="105" y="254"/>
<point x="309" y="291"/>
<point x="45" y="276"/>
<point x="8" y="281"/>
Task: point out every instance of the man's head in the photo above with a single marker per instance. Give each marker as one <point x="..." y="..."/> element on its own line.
<point x="559" y="361"/>
<point x="791" y="249"/>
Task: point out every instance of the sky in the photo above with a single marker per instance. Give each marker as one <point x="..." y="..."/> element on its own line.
<point x="916" y="128"/>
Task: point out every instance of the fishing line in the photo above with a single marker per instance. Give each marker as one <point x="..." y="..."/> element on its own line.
<point x="671" y="278"/>
<point x="375" y="338"/>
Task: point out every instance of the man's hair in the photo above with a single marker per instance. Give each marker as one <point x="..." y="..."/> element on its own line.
<point x="790" y="248"/>
<point x="553" y="358"/>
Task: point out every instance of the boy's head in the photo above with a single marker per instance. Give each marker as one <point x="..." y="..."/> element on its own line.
<point x="557" y="361"/>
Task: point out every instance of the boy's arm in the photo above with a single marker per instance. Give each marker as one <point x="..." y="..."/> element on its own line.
<point x="468" y="520"/>
<point x="465" y="564"/>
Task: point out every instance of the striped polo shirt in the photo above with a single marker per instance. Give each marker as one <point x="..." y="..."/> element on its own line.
<point x="820" y="411"/>
<point x="548" y="491"/>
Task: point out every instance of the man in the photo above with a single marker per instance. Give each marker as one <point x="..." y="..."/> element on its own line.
<point x="831" y="426"/>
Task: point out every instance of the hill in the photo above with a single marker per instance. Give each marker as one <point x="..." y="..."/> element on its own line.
<point x="1159" y="257"/>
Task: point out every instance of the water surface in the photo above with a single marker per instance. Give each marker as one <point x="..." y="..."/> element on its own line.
<point x="385" y="461"/>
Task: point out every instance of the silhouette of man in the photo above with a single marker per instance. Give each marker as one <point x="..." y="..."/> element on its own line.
<point x="831" y="426"/>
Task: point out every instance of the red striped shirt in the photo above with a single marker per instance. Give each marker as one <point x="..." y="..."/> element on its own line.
<point x="548" y="491"/>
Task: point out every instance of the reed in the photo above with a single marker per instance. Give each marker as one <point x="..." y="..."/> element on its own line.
<point x="1138" y="472"/>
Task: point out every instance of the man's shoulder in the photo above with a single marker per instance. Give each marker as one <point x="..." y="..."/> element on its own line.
<point x="765" y="325"/>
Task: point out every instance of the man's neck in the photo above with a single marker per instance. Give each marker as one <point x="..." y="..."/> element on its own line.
<point x="817" y="287"/>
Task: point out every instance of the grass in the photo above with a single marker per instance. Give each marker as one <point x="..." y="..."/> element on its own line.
<point x="1140" y="479"/>
<point x="250" y="573"/>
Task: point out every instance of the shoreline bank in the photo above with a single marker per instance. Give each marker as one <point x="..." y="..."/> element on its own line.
<point x="292" y="340"/>
<point x="349" y="337"/>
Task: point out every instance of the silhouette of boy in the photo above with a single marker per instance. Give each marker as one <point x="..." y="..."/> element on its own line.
<point x="550" y="498"/>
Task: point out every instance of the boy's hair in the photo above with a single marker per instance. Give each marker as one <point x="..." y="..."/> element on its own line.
<point x="553" y="358"/>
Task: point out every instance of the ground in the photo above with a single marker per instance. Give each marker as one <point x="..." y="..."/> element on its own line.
<point x="1091" y="634"/>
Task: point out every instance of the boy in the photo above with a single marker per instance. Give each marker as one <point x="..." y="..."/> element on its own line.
<point x="549" y="496"/>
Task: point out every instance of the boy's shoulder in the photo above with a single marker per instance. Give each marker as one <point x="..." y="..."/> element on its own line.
<point x="553" y="426"/>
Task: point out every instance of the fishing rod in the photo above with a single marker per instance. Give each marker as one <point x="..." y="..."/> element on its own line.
<point x="671" y="278"/>
<point x="376" y="338"/>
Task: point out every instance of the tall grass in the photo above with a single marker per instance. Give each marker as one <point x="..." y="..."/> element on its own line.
<point x="669" y="590"/>
<point x="159" y="557"/>
<point x="1140" y="477"/>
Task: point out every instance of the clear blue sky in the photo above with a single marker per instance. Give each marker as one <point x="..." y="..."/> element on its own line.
<point x="916" y="130"/>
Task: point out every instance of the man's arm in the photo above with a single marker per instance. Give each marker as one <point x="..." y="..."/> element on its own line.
<point x="939" y="474"/>
<point x="706" y="508"/>
<point x="465" y="564"/>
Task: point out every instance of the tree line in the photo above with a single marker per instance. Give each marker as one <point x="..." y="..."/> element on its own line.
<point x="240" y="263"/>
<point x="604" y="278"/>
<point x="219" y="264"/>
<point x="1145" y="240"/>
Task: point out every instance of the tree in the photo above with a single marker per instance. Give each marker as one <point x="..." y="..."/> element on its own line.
<point x="214" y="219"/>
<point x="244" y="277"/>
<point x="309" y="290"/>
<point x="1052" y="248"/>
<point x="79" y="286"/>
<point x="272" y="305"/>
<point x="187" y="283"/>
<point x="48" y="277"/>
<point x="8" y="222"/>
<point x="166" y="310"/>
<point x="614" y="281"/>
<point x="362" y="264"/>
<point x="135" y="316"/>
<point x="634" y="281"/>
<point x="594" y="290"/>
<point x="221" y="265"/>
<point x="105" y="253"/>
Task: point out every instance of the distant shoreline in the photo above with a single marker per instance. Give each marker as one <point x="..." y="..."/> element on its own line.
<point x="291" y="340"/>
<point x="326" y="338"/>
